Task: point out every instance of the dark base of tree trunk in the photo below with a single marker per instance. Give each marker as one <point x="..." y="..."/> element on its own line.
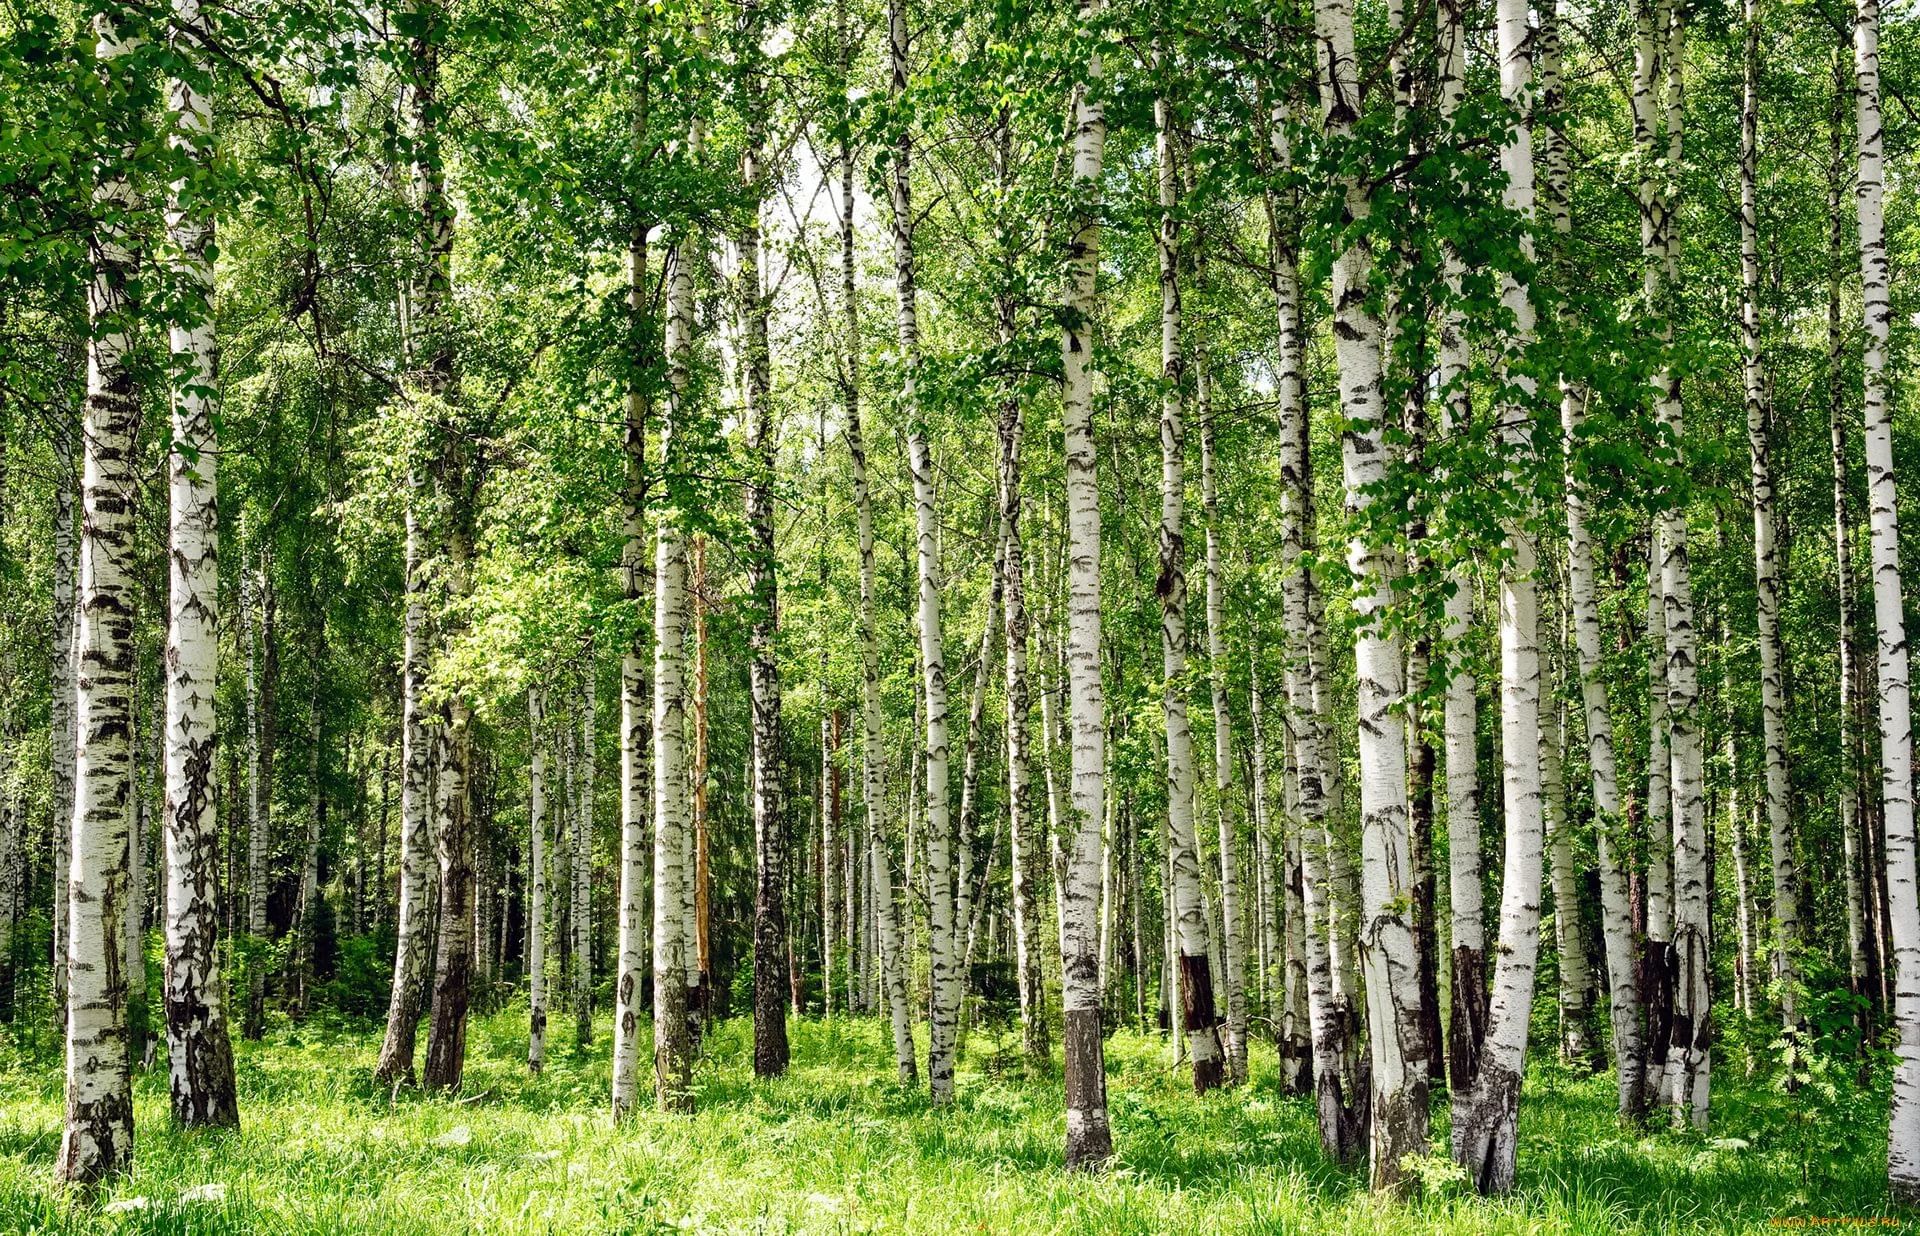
<point x="98" y="1141"/>
<point x="1659" y="966"/>
<point x="1400" y="1128"/>
<point x="1584" y="1046"/>
<point x="1033" y="1039"/>
<point x="1089" y="1136"/>
<point x="1468" y="1018"/>
<point x="447" y="1041"/>
<point x="672" y="1048"/>
<point x="1484" y="1132"/>
<point x="1296" y="1065"/>
<point x="583" y="1019"/>
<point x="452" y="980"/>
<point x="253" y="1027"/>
<point x="770" y="989"/>
<point x="1344" y="1105"/>
<point x="1197" y="1017"/>
<point x="403" y="1028"/>
<point x="1426" y="925"/>
<point x="201" y="1074"/>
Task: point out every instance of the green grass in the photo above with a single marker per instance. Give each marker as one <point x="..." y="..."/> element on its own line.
<point x="838" y="1147"/>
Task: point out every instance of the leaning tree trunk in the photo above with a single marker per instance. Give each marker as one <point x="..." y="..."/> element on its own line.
<point x="199" y="1053"/>
<point x="1189" y="919"/>
<point x="1026" y="858"/>
<point x="1767" y="573"/>
<point x="536" y="880"/>
<point x="1089" y="1136"/>
<point x="1226" y="804"/>
<point x="98" y="1138"/>
<point x="1896" y="727"/>
<point x="1388" y="952"/>
<point x="942" y="931"/>
<point x="885" y="916"/>
<point x="1340" y="1076"/>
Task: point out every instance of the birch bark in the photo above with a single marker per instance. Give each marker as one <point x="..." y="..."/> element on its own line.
<point x="1388" y="953"/>
<point x="199" y="1053"/>
<point x="1190" y="922"/>
<point x="536" y="881"/>
<point x="1089" y="1136"/>
<point x="1895" y="713"/>
<point x="1767" y="573"/>
<point x="98" y="1137"/>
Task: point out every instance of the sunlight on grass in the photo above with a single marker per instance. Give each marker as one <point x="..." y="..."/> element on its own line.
<point x="836" y="1146"/>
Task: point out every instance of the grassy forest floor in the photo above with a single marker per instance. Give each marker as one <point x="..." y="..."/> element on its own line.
<point x="836" y="1146"/>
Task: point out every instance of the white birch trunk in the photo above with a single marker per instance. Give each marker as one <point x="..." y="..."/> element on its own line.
<point x="1616" y="908"/>
<point x="1389" y="958"/>
<point x="61" y="722"/>
<point x="1190" y="922"/>
<point x="1232" y="938"/>
<point x="892" y="967"/>
<point x="1025" y="856"/>
<point x="580" y="987"/>
<point x="672" y="1034"/>
<point x="536" y="880"/>
<point x="1687" y="1060"/>
<point x="417" y="872"/>
<point x="637" y="725"/>
<point x="1895" y="715"/>
<point x="1766" y="557"/>
<point x="1577" y="1045"/>
<point x="1743" y="912"/>
<point x="1089" y="1136"/>
<point x="942" y="932"/>
<point x="1340" y="1078"/>
<point x="98" y="1137"/>
<point x="1460" y="711"/>
<point x="1486" y="1124"/>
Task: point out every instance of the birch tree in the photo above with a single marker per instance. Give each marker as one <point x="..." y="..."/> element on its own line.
<point x="770" y="963"/>
<point x="942" y="931"/>
<point x="1089" y="1136"/>
<point x="98" y="1137"/>
<point x="417" y="883"/>
<point x="199" y="1054"/>
<point x="536" y="880"/>
<point x="1883" y="538"/>
<point x="580" y="984"/>
<point x="1486" y="1124"/>
<point x="1766" y="555"/>
<point x="1388" y="954"/>
<point x="1190" y="921"/>
<point x="1341" y="1078"/>
<point x="1226" y="806"/>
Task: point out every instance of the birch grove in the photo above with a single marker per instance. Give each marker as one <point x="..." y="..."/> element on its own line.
<point x="1379" y="477"/>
